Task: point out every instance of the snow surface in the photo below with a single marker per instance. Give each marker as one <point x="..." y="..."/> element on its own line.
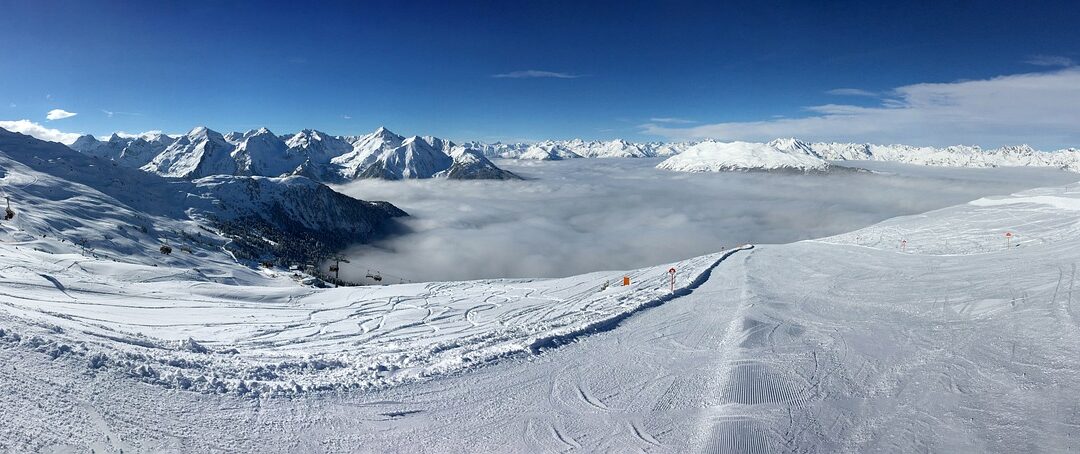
<point x="957" y="341"/>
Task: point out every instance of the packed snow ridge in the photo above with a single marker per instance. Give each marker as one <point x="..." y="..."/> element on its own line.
<point x="333" y="159"/>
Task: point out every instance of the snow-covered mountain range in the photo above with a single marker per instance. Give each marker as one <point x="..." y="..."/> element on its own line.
<point x="793" y="154"/>
<point x="717" y="155"/>
<point x="550" y="150"/>
<point x="382" y="154"/>
<point x="103" y="208"/>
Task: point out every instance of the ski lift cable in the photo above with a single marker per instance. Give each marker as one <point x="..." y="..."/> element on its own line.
<point x="381" y="274"/>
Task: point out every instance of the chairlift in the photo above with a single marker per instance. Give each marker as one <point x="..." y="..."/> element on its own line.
<point x="165" y="249"/>
<point x="377" y="277"/>
<point x="8" y="213"/>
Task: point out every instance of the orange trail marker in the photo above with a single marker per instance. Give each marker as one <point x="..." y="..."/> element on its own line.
<point x="626" y="280"/>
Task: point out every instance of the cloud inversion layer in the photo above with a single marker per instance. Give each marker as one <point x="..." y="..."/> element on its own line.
<point x="586" y="215"/>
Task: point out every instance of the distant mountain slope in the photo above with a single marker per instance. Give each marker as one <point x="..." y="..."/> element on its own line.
<point x="124" y="213"/>
<point x="200" y="153"/>
<point x="314" y="154"/>
<point x="415" y="158"/>
<point x="951" y="156"/>
<point x="744" y="156"/>
<point x="470" y="164"/>
<point x="365" y="151"/>
<point x="550" y="150"/>
<point x="130" y="151"/>
<point x="730" y="156"/>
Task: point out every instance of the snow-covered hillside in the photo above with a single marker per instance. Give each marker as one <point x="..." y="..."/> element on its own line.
<point x="95" y="206"/>
<point x="744" y="156"/>
<point x="314" y="154"/>
<point x="956" y="341"/>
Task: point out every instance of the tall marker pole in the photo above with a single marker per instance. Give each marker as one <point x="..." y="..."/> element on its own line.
<point x="672" y="273"/>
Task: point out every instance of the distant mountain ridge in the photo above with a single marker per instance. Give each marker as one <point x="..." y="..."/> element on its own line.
<point x="383" y="154"/>
<point x="793" y="154"/>
<point x="710" y="156"/>
<point x="333" y="159"/>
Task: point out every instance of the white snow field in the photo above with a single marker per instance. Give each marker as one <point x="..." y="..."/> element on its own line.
<point x="955" y="343"/>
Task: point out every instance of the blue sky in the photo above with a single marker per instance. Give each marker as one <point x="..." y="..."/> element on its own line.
<point x="595" y="70"/>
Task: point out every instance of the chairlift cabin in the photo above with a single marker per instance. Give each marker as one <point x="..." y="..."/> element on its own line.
<point x="165" y="249"/>
<point x="377" y="277"/>
<point x="8" y="213"/>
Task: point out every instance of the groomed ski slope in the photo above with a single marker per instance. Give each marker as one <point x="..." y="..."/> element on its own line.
<point x="844" y="344"/>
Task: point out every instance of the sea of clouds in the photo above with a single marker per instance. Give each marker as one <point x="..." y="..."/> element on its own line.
<point x="576" y="216"/>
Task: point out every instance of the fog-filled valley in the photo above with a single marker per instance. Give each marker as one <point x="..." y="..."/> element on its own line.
<point x="575" y="216"/>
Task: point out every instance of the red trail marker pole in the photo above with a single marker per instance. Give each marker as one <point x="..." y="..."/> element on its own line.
<point x="672" y="273"/>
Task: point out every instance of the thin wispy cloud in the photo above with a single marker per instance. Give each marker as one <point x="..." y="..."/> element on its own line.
<point x="41" y="132"/>
<point x="59" y="114"/>
<point x="111" y="113"/>
<point x="535" y="74"/>
<point x="12" y="105"/>
<point x="346" y="117"/>
<point x="851" y="92"/>
<point x="672" y="120"/>
<point x="1050" y="60"/>
<point x="1035" y="108"/>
